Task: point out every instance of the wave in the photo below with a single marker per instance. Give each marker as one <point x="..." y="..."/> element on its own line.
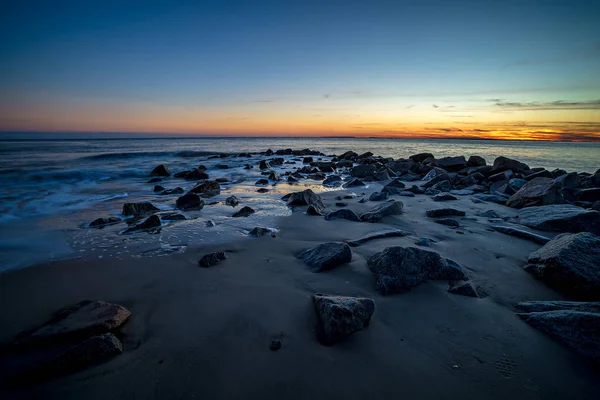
<point x="144" y="154"/>
<point x="69" y="176"/>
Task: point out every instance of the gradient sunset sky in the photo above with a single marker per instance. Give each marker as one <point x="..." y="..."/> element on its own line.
<point x="484" y="69"/>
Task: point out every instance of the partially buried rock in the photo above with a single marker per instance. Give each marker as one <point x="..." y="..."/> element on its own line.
<point x="244" y="212"/>
<point x="537" y="192"/>
<point x="570" y="263"/>
<point x="232" y="201"/>
<point x="173" y="217"/>
<point x="444" y="197"/>
<point x="207" y="189"/>
<point x="176" y="190"/>
<point x="464" y="288"/>
<point x="353" y="183"/>
<point x="312" y="210"/>
<point x="100" y="222"/>
<point x="211" y="259"/>
<point x="262" y="190"/>
<point x="190" y="201"/>
<point x="399" y="269"/>
<point x="262" y="181"/>
<point x="343" y="214"/>
<point x="521" y="233"/>
<point x="332" y="180"/>
<point x="305" y="198"/>
<point x="341" y="316"/>
<point x="326" y="256"/>
<point x="158" y="188"/>
<point x="138" y="209"/>
<point x="444" y="212"/>
<point x="160" y="170"/>
<point x="258" y="231"/>
<point x="448" y="222"/>
<point x="378" y="196"/>
<point x="151" y="222"/>
<point x="382" y="210"/>
<point x="196" y="174"/>
<point x="560" y="218"/>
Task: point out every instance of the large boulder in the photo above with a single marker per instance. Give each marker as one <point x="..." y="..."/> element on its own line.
<point x="196" y="174"/>
<point x="537" y="192"/>
<point x="326" y="256"/>
<point x="381" y="210"/>
<point x="305" y="198"/>
<point x="340" y="316"/>
<point x="138" y="209"/>
<point x="476" y="161"/>
<point x="363" y="171"/>
<point x="343" y="213"/>
<point x="504" y="163"/>
<point x="207" y="189"/>
<point x="570" y="263"/>
<point x="560" y="218"/>
<point x="398" y="269"/>
<point x="189" y="201"/>
<point x="160" y="170"/>
<point x="419" y="158"/>
<point x="452" y="163"/>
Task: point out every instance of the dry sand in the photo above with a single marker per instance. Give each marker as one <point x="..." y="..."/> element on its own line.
<point x="205" y="333"/>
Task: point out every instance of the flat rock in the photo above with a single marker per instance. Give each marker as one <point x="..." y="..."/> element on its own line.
<point x="326" y="256"/>
<point x="189" y="201"/>
<point x="492" y="198"/>
<point x="176" y="190"/>
<point x="341" y="316"/>
<point x="343" y="214"/>
<point x="462" y="192"/>
<point x="211" y="259"/>
<point x="560" y="218"/>
<point x="570" y="262"/>
<point x="377" y="235"/>
<point x="452" y="163"/>
<point x="244" y="212"/>
<point x="353" y="183"/>
<point x="521" y="233"/>
<point x="382" y="210"/>
<point x="444" y="212"/>
<point x="489" y="214"/>
<point x="138" y="209"/>
<point x="537" y="192"/>
<point x="173" y="217"/>
<point x="398" y="269"/>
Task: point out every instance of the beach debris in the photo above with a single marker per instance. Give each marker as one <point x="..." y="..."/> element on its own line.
<point x="341" y="316"/>
<point x="393" y="207"/>
<point x="326" y="256"/>
<point x="208" y="260"/>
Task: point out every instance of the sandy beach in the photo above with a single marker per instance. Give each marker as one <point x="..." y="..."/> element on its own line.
<point x="205" y="332"/>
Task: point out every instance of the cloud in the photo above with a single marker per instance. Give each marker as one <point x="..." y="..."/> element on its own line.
<point x="327" y="95"/>
<point x="409" y="107"/>
<point x="552" y="105"/>
<point x="436" y="106"/>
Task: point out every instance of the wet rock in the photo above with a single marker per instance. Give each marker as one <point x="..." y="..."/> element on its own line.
<point x="209" y="223"/>
<point x="349" y="155"/>
<point x="541" y="306"/>
<point x="570" y="181"/>
<point x="521" y="233"/>
<point x="189" y="201"/>
<point x="448" y="222"/>
<point x="232" y="201"/>
<point x="501" y="176"/>
<point x="173" y="217"/>
<point x="492" y="198"/>
<point x="154" y="180"/>
<point x="341" y="316"/>
<point x="221" y="166"/>
<point x="409" y="177"/>
<point x="160" y="170"/>
<point x="312" y="210"/>
<point x="396" y="183"/>
<point x="444" y="197"/>
<point x="425" y="242"/>
<point x="591" y="195"/>
<point x="158" y="188"/>
<point x="452" y="163"/>
<point x="244" y="212"/>
<point x="197" y="174"/>
<point x="326" y="256"/>
<point x="378" y="196"/>
<point x="207" y="189"/>
<point x="463" y="288"/>
<point x="362" y="201"/>
<point x="341" y="204"/>
<point x="419" y="158"/>
<point x="398" y="269"/>
<point x="382" y="210"/>
<point x="444" y="212"/>
<point x="570" y="263"/>
<point x="353" y="183"/>
<point x="307" y="160"/>
<point x="100" y="222"/>
<point x="176" y="190"/>
<point x="377" y="235"/>
<point x="222" y="180"/>
<point x="343" y="214"/>
<point x="504" y="163"/>
<point x="560" y="218"/>
<point x="306" y="198"/>
<point x="211" y="259"/>
<point x="462" y="192"/>
<point x="264" y="165"/>
<point x="138" y="209"/>
<point x="344" y="164"/>
<point x="489" y="214"/>
<point x="273" y="176"/>
<point x="262" y="190"/>
<point x="476" y="161"/>
<point x="258" y="231"/>
<point x="540" y="174"/>
<point x="332" y="180"/>
<point x="151" y="222"/>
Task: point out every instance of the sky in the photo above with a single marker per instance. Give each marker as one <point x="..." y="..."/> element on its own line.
<point x="511" y="69"/>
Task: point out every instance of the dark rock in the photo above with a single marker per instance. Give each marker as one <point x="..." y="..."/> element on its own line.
<point x="362" y="201"/>
<point x="560" y="218"/>
<point x="305" y="198"/>
<point x="341" y="316"/>
<point x="425" y="242"/>
<point x="196" y="174"/>
<point x="596" y="207"/>
<point x="462" y="192"/>
<point x="452" y="163"/>
<point x="173" y="217"/>
<point x="591" y="195"/>
<point x="378" y="196"/>
<point x="99" y="222"/>
<point x="211" y="259"/>
<point x="326" y="256"/>
<point x="504" y="163"/>
<point x="262" y="182"/>
<point x="463" y="288"/>
<point x="273" y="176"/>
<point x="259" y="231"/>
<point x="349" y="155"/>
<point x="362" y="171"/>
<point x="207" y="189"/>
<point x="353" y="183"/>
<point x="570" y="263"/>
<point x="443" y="186"/>
<point x="158" y="188"/>
<point x="275" y="344"/>
<point x="444" y="197"/>
<point x="521" y="233"/>
<point x="448" y="222"/>
<point x="221" y="166"/>
<point x="181" y="174"/>
<point x="155" y="180"/>
<point x="396" y="183"/>
<point x="343" y="214"/>
<point x="489" y="214"/>
<point x="516" y="183"/>
<point x="375" y="214"/>
<point x="151" y="222"/>
<point x="189" y="201"/>
<point x="262" y="190"/>
<point x="382" y="175"/>
<point x="409" y="177"/>
<point x="419" y="158"/>
<point x="264" y="165"/>
<point x="405" y="193"/>
<point x="307" y="160"/>
<point x="492" y="198"/>
<point x="377" y="235"/>
<point x="209" y="223"/>
<point x="232" y="201"/>
<point x="398" y="269"/>
<point x="541" y="306"/>
<point x="222" y="180"/>
<point x="476" y="161"/>
<point x="176" y="190"/>
<point x="160" y="170"/>
<point x="244" y="212"/>
<point x="341" y="204"/>
<point x="436" y="173"/>
<point x="138" y="209"/>
<point x="444" y="212"/>
<point x="312" y="210"/>
<point x="540" y="174"/>
<point x="501" y="176"/>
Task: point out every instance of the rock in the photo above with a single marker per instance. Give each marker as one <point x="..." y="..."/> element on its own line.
<point x="189" y="201"/>
<point x="138" y="209"/>
<point x="259" y="231"/>
<point x="196" y="174"/>
<point x="448" y="222"/>
<point x="398" y="269"/>
<point x="462" y="192"/>
<point x="326" y="256"/>
<point x="444" y="212"/>
<point x="591" y="195"/>
<point x="363" y="171"/>
<point x="209" y="223"/>
<point x="409" y="177"/>
<point x="570" y="181"/>
<point x="207" y="189"/>
<point x="173" y="217"/>
<point x="452" y="163"/>
<point x="160" y="170"/>
<point x="489" y="214"/>
<point x="312" y="210"/>
<point x="353" y="183"/>
<point x="540" y="174"/>
<point x="501" y="176"/>
<point x="363" y="200"/>
<point x="444" y="197"/>
<point x="176" y="190"/>
<point x="570" y="263"/>
<point x="100" y="222"/>
<point x="405" y="193"/>
<point x="332" y="180"/>
<point x="382" y="175"/>
<point x="154" y="180"/>
<point x="244" y="212"/>
<point x="396" y="183"/>
<point x="492" y="198"/>
<point x="504" y="163"/>
<point x="275" y="343"/>
<point x="211" y="259"/>
<point x="577" y="330"/>
<point x="419" y="158"/>
<point x="222" y="180"/>
<point x="158" y="188"/>
<point x="151" y="222"/>
<point x="344" y="164"/>
<point x="436" y="173"/>
<point x="264" y="165"/>
<point x="262" y="190"/>
<point x="596" y="207"/>
<point x="476" y="161"/>
<point x="343" y="214"/>
<point x="520" y="233"/>
<point x="305" y="198"/>
<point x="560" y="218"/>
<point x="341" y="204"/>
<point x="232" y="201"/>
<point x="341" y="316"/>
<point x="377" y="235"/>
<point x="221" y="166"/>
<point x="349" y="155"/>
<point x="80" y="321"/>
<point x="540" y="306"/>
<point x="425" y="242"/>
<point x="378" y="196"/>
<point x="375" y="214"/>
<point x="464" y="288"/>
<point x="516" y="183"/>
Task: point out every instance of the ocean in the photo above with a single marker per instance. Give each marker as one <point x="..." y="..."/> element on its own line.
<point x="52" y="189"/>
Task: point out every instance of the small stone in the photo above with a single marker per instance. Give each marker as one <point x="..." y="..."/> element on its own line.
<point x="211" y="259"/>
<point x="232" y="201"/>
<point x="244" y="212"/>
